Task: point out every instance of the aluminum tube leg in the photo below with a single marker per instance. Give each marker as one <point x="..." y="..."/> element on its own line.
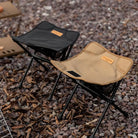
<point x="100" y="120"/>
<point x="73" y="92"/>
<point x="46" y="69"/>
<point x="53" y="90"/>
<point x="104" y="112"/>
<point x="123" y="112"/>
<point x="20" y="85"/>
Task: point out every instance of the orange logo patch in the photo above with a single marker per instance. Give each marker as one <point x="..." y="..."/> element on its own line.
<point x="57" y="33"/>
<point x="107" y="59"/>
<point x="1" y="47"/>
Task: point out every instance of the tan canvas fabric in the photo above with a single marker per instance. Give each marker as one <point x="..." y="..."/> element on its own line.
<point x="8" y="47"/>
<point x="9" y="10"/>
<point x="96" y="65"/>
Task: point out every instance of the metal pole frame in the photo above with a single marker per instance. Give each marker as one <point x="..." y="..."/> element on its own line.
<point x="65" y="55"/>
<point x="109" y="101"/>
<point x="59" y="75"/>
<point x="68" y="101"/>
<point x="114" y="90"/>
<point x="104" y="97"/>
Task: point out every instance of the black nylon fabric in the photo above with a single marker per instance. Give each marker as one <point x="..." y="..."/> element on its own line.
<point x="42" y="37"/>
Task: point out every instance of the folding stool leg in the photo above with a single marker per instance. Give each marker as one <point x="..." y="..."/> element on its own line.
<point x="69" y="51"/>
<point x="106" y="98"/>
<point x="53" y="90"/>
<point x="41" y="64"/>
<point x="65" y="107"/>
<point x="102" y="117"/>
<point x="106" y="108"/>
<point x="65" y="56"/>
<point x="116" y="107"/>
<point x="100" y="120"/>
<point x="20" y="85"/>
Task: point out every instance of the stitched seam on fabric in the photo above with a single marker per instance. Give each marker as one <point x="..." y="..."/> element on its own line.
<point x="121" y="70"/>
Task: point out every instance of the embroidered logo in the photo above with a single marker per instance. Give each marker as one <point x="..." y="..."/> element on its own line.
<point x="107" y="59"/>
<point x="57" y="33"/>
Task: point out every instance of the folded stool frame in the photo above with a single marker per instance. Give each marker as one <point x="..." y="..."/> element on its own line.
<point x="109" y="101"/>
<point x="38" y="59"/>
<point x="95" y="66"/>
<point x="4" y="128"/>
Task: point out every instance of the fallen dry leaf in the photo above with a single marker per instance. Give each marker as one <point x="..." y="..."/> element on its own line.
<point x="6" y="108"/>
<point x="29" y="79"/>
<point x="88" y="123"/>
<point x="5" y="90"/>
<point x="78" y="116"/>
<point x="28" y="132"/>
<point x="57" y="122"/>
<point x="18" y="127"/>
<point x="51" y="130"/>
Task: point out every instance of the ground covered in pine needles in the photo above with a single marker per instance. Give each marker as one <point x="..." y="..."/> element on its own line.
<point x="112" y="23"/>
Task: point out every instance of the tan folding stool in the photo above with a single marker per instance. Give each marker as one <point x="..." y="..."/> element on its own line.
<point x="95" y="65"/>
<point x="8" y="47"/>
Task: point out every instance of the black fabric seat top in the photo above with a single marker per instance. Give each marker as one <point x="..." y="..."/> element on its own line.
<point x="49" y="36"/>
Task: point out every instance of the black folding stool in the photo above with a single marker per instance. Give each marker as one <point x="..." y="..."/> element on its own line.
<point x="97" y="71"/>
<point x="49" y="40"/>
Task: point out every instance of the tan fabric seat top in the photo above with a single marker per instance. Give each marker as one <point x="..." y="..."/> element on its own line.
<point x="8" y="47"/>
<point x="9" y="10"/>
<point x="95" y="64"/>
